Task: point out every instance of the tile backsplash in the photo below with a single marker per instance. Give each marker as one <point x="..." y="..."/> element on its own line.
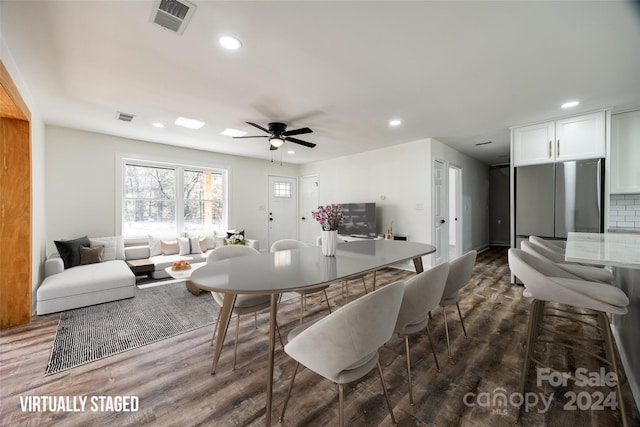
<point x="624" y="211"/>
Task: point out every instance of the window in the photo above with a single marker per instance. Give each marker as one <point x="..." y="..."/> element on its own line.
<point x="282" y="189"/>
<point x="161" y="198"/>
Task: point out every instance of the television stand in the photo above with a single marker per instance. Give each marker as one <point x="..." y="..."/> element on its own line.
<point x="354" y="237"/>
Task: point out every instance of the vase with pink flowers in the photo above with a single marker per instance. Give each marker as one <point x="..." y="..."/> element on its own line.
<point x="330" y="217"/>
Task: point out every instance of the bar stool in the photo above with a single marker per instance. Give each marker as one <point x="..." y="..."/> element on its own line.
<point x="541" y="284"/>
<point x="586" y="272"/>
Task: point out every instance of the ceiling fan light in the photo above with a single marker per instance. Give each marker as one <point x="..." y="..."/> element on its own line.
<point x="276" y="141"/>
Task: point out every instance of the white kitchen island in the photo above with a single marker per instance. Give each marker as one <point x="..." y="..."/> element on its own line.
<point x="620" y="251"/>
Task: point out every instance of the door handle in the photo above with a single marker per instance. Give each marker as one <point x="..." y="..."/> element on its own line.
<point x="270" y="219"/>
<point x="442" y="221"/>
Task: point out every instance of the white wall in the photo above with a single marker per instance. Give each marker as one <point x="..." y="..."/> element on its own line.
<point x="80" y="182"/>
<point x="475" y="195"/>
<point x="38" y="238"/>
<point x="400" y="174"/>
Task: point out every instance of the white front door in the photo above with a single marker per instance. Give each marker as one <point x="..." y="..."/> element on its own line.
<point x="309" y="229"/>
<point x="283" y="208"/>
<point x="440" y="228"/>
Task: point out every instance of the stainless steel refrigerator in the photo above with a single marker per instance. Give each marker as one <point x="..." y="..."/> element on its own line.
<point x="556" y="198"/>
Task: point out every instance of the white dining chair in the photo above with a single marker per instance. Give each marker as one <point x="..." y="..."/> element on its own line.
<point x="288" y="244"/>
<point x="245" y="303"/>
<point x="343" y="346"/>
<point x="460" y="270"/>
<point x="422" y="293"/>
<point x="593" y="299"/>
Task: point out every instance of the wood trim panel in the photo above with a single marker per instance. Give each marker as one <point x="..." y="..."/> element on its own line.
<point x="15" y="206"/>
<point x="11" y="103"/>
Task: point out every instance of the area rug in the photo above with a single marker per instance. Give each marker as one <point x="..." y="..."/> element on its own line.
<point x="91" y="333"/>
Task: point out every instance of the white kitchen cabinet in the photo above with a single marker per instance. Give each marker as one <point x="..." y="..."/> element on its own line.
<point x="573" y="138"/>
<point x="625" y="153"/>
<point x="580" y="137"/>
<point x="533" y="145"/>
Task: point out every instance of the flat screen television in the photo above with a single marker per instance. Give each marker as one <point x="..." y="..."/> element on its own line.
<point x="359" y="220"/>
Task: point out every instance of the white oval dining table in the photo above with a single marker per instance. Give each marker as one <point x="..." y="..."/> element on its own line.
<point x="292" y="270"/>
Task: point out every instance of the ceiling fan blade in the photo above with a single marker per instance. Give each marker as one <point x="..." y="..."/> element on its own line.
<point x="259" y="127"/>
<point x="301" y="142"/>
<point x="297" y="131"/>
<point x="255" y="136"/>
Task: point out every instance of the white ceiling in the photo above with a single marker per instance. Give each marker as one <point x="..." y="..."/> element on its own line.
<point x="461" y="72"/>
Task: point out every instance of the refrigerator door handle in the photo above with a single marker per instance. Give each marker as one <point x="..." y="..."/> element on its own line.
<point x="558" y="149"/>
<point x="550" y="148"/>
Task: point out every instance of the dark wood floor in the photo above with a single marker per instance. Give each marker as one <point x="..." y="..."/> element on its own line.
<point x="172" y="381"/>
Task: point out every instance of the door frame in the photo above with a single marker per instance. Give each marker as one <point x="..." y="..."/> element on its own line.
<point x="458" y="205"/>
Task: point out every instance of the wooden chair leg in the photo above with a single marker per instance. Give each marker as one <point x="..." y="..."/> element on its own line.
<point x="341" y="405"/>
<point x="446" y="330"/>
<point x="433" y="350"/>
<point x="406" y="347"/>
<point x="326" y="298"/>
<point x="461" y="321"/>
<point x="386" y="394"/>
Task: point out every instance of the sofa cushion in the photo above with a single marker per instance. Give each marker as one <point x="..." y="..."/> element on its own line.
<point x="69" y="250"/>
<point x="155" y="245"/>
<point x="85" y="279"/>
<point x="196" y="243"/>
<point x="91" y="255"/>
<point x="183" y="246"/>
<point x="169" y="247"/>
<point x="209" y="236"/>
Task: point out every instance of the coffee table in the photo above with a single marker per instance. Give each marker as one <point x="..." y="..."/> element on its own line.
<point x="186" y="275"/>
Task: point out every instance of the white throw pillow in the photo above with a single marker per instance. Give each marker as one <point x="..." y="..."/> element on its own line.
<point x="210" y="237"/>
<point x="113" y="247"/>
<point x="155" y="246"/>
<point x="183" y="245"/>
<point x="195" y="244"/>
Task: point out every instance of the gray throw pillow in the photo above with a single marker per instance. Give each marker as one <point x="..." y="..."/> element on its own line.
<point x="69" y="250"/>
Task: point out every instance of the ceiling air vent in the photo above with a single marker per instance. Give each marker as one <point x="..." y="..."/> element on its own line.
<point x="173" y="15"/>
<point x="124" y="117"/>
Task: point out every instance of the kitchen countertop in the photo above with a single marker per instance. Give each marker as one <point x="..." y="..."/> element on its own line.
<point x="614" y="249"/>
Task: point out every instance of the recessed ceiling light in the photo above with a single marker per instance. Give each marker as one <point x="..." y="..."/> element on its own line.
<point x="395" y="122"/>
<point x="291" y="152"/>
<point x="189" y="123"/>
<point x="157" y="125"/>
<point x="570" y="104"/>
<point x="230" y="43"/>
<point x="233" y="132"/>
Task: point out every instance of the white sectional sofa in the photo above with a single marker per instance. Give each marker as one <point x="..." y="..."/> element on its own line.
<point x="188" y="249"/>
<point x="64" y="289"/>
<point x="70" y="283"/>
<point x="112" y="279"/>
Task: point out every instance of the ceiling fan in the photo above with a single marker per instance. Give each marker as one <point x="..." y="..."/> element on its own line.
<point x="278" y="134"/>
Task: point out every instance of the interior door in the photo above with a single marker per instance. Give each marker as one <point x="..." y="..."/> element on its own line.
<point x="440" y="227"/>
<point x="283" y="208"/>
<point x="309" y="229"/>
<point x="455" y="212"/>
